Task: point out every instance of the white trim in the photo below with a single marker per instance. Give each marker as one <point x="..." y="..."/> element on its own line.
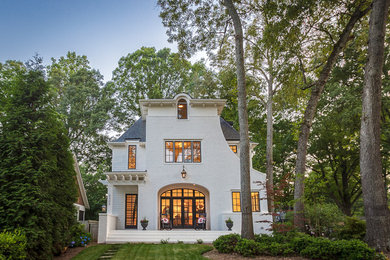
<point x="80" y="183"/>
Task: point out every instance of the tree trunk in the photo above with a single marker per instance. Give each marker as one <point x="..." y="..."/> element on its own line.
<point x="374" y="196"/>
<point x="311" y="107"/>
<point x="269" y="153"/>
<point x="246" y="205"/>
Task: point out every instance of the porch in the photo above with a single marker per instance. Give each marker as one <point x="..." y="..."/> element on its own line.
<point x="155" y="236"/>
<point x="109" y="234"/>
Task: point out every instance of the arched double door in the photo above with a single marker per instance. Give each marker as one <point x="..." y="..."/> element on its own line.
<point x="182" y="207"/>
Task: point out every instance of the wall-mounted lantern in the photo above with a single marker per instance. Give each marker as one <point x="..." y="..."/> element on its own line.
<point x="183" y="173"/>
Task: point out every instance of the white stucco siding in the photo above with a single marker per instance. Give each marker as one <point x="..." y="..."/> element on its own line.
<point x="119" y="201"/>
<point x="120" y="157"/>
<point x="218" y="173"/>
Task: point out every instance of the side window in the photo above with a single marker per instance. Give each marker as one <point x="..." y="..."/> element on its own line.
<point x="236" y="200"/>
<point x="182" y="109"/>
<point x="234" y="148"/>
<point x="132" y="156"/>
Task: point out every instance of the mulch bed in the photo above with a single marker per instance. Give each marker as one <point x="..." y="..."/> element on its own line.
<point x="72" y="252"/>
<point x="214" y="255"/>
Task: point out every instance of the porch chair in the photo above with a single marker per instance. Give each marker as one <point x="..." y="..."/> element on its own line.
<point x="165" y="223"/>
<point x="201" y="222"/>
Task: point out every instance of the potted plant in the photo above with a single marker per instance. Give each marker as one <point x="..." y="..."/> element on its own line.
<point x="229" y="223"/>
<point x="144" y="223"/>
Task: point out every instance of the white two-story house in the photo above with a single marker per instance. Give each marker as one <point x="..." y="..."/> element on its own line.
<point x="179" y="161"/>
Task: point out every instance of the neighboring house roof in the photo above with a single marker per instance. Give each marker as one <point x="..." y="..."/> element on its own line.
<point x="80" y="185"/>
<point x="138" y="132"/>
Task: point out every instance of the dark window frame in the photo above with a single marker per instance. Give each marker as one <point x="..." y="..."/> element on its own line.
<point x="182" y="112"/>
<point x="169" y="195"/>
<point x="135" y="156"/>
<point x="255" y="207"/>
<point x="182" y="151"/>
<point x="135" y="210"/>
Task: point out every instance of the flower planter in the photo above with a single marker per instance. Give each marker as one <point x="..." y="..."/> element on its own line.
<point x="229" y="225"/>
<point x="144" y="225"/>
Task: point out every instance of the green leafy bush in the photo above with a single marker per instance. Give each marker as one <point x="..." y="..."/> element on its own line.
<point x="247" y="247"/>
<point x="79" y="236"/>
<point x="295" y="243"/>
<point x="354" y="249"/>
<point x="13" y="245"/>
<point x="226" y="243"/>
<point x="353" y="228"/>
<point x="322" y="218"/>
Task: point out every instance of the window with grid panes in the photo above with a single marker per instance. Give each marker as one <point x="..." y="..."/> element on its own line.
<point x="132" y="156"/>
<point x="182" y="151"/>
<point x="236" y="200"/>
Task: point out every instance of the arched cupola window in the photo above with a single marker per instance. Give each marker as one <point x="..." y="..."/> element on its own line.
<point x="182" y="109"/>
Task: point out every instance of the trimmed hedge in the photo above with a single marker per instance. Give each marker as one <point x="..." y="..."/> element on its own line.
<point x="226" y="243"/>
<point x="13" y="245"/>
<point x="296" y="244"/>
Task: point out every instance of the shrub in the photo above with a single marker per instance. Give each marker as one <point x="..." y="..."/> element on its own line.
<point x="13" y="245"/>
<point x="353" y="228"/>
<point x="79" y="236"/>
<point x="247" y="247"/>
<point x="322" y="218"/>
<point x="263" y="238"/>
<point x="164" y="241"/>
<point x="199" y="241"/>
<point x="318" y="248"/>
<point x="226" y="243"/>
<point x="353" y="249"/>
<point x="300" y="242"/>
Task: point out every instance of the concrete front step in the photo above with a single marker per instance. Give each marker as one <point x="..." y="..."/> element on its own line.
<point x="155" y="236"/>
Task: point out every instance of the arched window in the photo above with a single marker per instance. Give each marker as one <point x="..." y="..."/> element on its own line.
<point x="182" y="109"/>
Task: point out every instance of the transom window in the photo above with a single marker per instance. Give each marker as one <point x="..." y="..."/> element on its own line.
<point x="132" y="156"/>
<point x="182" y="151"/>
<point x="182" y="193"/>
<point x="234" y="148"/>
<point x="237" y="201"/>
<point x="182" y="109"/>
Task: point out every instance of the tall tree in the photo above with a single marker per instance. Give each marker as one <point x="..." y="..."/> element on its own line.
<point x="374" y="195"/>
<point x="86" y="106"/>
<point x="37" y="177"/>
<point x="246" y="209"/>
<point x="359" y="9"/>
<point x="197" y="25"/>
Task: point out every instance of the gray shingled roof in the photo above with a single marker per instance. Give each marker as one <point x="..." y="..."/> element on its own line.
<point x="138" y="131"/>
<point x="229" y="132"/>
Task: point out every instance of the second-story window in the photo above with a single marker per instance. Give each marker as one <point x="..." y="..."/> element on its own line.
<point x="182" y="109"/>
<point x="182" y="151"/>
<point x="132" y="156"/>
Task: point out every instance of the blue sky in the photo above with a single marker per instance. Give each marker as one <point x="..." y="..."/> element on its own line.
<point x="104" y="30"/>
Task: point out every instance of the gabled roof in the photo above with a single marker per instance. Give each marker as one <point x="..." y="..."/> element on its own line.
<point x="138" y="132"/>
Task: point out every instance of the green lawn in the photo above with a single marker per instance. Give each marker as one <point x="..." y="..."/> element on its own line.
<point x="147" y="251"/>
